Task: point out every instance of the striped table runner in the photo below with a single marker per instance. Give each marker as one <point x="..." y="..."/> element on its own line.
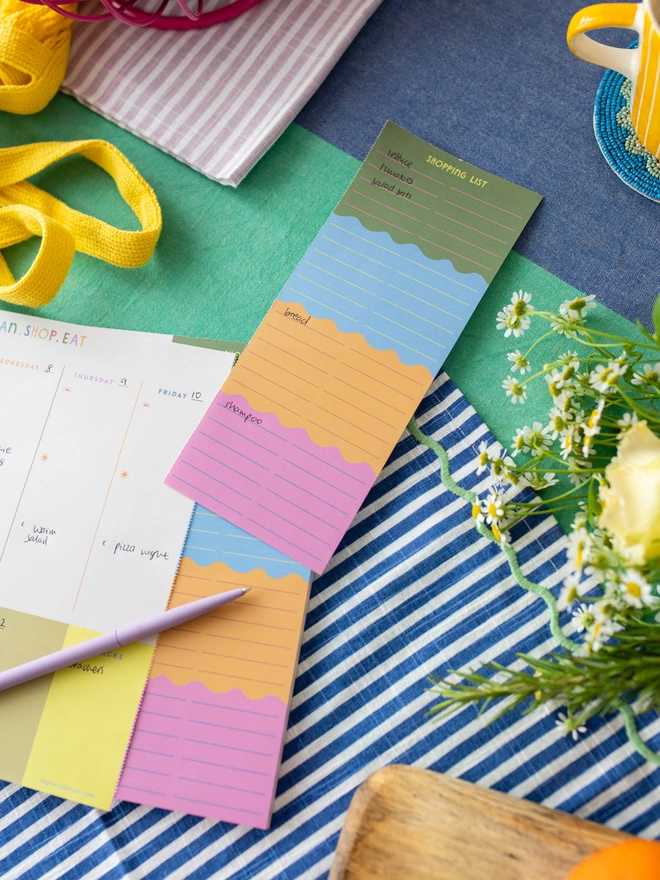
<point x="216" y="99"/>
<point x="413" y="589"/>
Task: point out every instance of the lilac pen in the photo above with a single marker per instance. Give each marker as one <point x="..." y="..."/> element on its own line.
<point x="118" y="639"/>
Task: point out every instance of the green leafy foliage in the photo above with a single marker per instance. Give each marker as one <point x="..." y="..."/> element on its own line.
<point x="624" y="671"/>
<point x="656" y="317"/>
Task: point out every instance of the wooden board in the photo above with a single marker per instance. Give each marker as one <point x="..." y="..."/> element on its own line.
<point x="419" y="825"/>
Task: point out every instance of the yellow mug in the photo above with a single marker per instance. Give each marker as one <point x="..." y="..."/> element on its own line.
<point x="641" y="65"/>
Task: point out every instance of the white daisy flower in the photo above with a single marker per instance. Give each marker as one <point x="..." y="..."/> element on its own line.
<point x="519" y="362"/>
<point x="536" y="439"/>
<point x="494" y="508"/>
<point x="650" y="376"/>
<point x="568" y="327"/>
<point x="518" y="442"/>
<point x="554" y="380"/>
<point x="600" y="561"/>
<point x="510" y="323"/>
<point x="569" y="359"/>
<point x="574" y="477"/>
<point x="592" y="429"/>
<point x="606" y="377"/>
<point x="579" y="548"/>
<point x="627" y="420"/>
<point x="521" y="295"/>
<point x="568" y="445"/>
<point x="540" y="481"/>
<point x="501" y="536"/>
<point x="559" y="422"/>
<point x="499" y="465"/>
<point x="567" y="404"/>
<point x="635" y="589"/>
<point x="606" y="609"/>
<point x="515" y="390"/>
<point x="478" y="513"/>
<point x="519" y="303"/>
<point x="579" y="521"/>
<point x="576" y="308"/>
<point x="569" y="727"/>
<point x="512" y="477"/>
<point x="483" y="459"/>
<point x="599" y="633"/>
<point x="582" y="618"/>
<point x="570" y="592"/>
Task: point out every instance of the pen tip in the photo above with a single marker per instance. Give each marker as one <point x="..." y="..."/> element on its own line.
<point x="245" y="589"/>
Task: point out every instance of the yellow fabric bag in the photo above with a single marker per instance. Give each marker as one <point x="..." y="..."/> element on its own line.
<point x="26" y="210"/>
<point x="34" y="51"/>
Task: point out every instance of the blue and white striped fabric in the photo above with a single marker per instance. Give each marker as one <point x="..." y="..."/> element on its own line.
<point x="412" y="590"/>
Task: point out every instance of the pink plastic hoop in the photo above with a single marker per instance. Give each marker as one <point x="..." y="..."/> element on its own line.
<point x="124" y="11"/>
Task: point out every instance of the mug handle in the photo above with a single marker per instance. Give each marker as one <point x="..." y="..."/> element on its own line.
<point x="602" y="15"/>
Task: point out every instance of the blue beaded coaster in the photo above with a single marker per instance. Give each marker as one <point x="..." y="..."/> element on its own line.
<point x="618" y="141"/>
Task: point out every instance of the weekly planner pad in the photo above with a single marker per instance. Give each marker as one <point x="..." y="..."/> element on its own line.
<point x="292" y="443"/>
<point x="90" y="538"/>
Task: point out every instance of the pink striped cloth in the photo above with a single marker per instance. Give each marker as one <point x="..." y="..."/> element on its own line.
<point x="216" y="99"/>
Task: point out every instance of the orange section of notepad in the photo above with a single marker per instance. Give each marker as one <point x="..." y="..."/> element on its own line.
<point x="251" y="644"/>
<point x="343" y="392"/>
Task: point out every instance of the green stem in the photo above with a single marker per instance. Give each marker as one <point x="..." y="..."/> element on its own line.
<point x="485" y="532"/>
<point x="634" y="738"/>
<point x="555" y="628"/>
<point x="534" y="344"/>
<point x="549" y="316"/>
<point x="650" y="416"/>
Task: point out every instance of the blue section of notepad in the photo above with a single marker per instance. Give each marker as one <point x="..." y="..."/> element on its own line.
<point x="213" y="539"/>
<point x="393" y="294"/>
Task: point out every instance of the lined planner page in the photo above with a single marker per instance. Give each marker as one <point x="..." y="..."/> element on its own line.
<point x="90" y="538"/>
<point x="209" y="735"/>
<point x="299" y="432"/>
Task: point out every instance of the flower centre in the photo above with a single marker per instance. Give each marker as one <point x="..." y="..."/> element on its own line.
<point x="634" y="589"/>
<point x="520" y="308"/>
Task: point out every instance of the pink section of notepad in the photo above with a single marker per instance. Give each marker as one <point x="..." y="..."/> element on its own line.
<point x="211" y="754"/>
<point x="276" y="483"/>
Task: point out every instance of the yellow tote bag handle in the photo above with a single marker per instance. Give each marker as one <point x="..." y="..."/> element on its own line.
<point x="603" y="15"/>
<point x="46" y="275"/>
<point x="26" y="210"/>
<point x="34" y="51"/>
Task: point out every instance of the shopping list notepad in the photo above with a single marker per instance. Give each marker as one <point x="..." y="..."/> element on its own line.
<point x="209" y="736"/>
<point x="90" y="538"/>
<point x="299" y="432"/>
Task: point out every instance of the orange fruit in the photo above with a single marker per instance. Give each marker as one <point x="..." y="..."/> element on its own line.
<point x="631" y="860"/>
